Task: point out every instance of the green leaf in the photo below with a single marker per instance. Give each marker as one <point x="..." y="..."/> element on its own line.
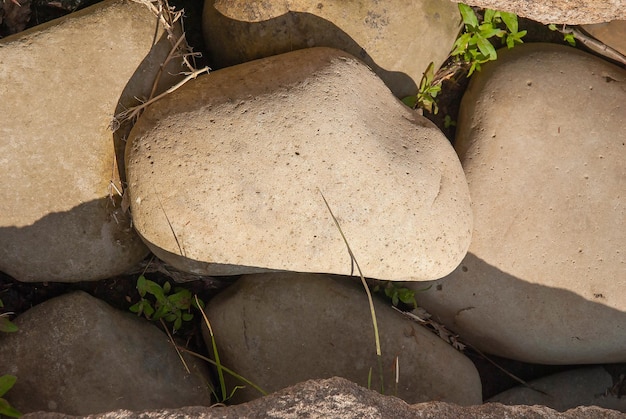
<point x="487" y="49"/>
<point x="167" y="287"/>
<point x="193" y="303"/>
<point x="136" y="308"/>
<point x="141" y="285"/>
<point x="187" y="317"/>
<point x="7" y="325"/>
<point x="489" y="15"/>
<point x="1" y="304"/>
<point x="7" y="410"/>
<point x="569" y="37"/>
<point x="6" y="382"/>
<point x="178" y="323"/>
<point x="488" y="31"/>
<point x="552" y="27"/>
<point x="461" y="44"/>
<point x="156" y="290"/>
<point x="468" y="15"/>
<point x="510" y="20"/>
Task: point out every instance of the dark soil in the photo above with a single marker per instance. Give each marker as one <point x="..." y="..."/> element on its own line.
<point x="120" y="292"/>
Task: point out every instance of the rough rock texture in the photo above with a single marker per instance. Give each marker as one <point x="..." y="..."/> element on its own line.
<point x="543" y="152"/>
<point x="612" y="34"/>
<point x="279" y="329"/>
<point x="397" y="39"/>
<point x="60" y="220"/>
<point x="571" y="12"/>
<point x="339" y="398"/>
<point x="75" y="354"/>
<point x="567" y="390"/>
<point x="228" y="170"/>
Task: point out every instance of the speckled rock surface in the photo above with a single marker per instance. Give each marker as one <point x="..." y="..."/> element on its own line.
<point x="279" y="329"/>
<point x="543" y="152"/>
<point x="77" y="355"/>
<point x="397" y="38"/>
<point x="60" y="220"/>
<point x="571" y="12"/>
<point x="225" y="174"/>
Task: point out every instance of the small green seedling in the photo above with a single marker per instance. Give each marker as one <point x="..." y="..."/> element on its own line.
<point x="449" y="122"/>
<point x="6" y="383"/>
<point x="473" y="45"/>
<point x="6" y="325"/>
<point x="427" y="93"/>
<point x="398" y="293"/>
<point x="173" y="308"/>
<point x="567" y="36"/>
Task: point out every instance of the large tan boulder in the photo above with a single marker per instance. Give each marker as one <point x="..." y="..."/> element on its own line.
<point x="397" y="39"/>
<point x="226" y="174"/>
<point x="77" y="355"/>
<point x="60" y="218"/>
<point x="542" y="142"/>
<point x="279" y="329"/>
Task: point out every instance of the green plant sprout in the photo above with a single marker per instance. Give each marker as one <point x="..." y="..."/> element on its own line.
<point x="427" y="93"/>
<point x="473" y="45"/>
<point x="398" y="293"/>
<point x="449" y="122"/>
<point x="173" y="308"/>
<point x="6" y="383"/>
<point x="567" y="36"/>
<point x="6" y="325"/>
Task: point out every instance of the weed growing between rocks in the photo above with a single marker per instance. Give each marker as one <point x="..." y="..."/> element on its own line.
<point x="6" y="383"/>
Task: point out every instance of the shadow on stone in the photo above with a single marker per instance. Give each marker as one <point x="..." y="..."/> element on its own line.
<point x="289" y="32"/>
<point x="91" y="241"/>
<point x="507" y="316"/>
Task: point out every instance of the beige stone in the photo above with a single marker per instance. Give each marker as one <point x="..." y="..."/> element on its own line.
<point x="77" y="355"/>
<point x="571" y="12"/>
<point x="279" y="329"/>
<point x="226" y="174"/>
<point x="61" y="82"/>
<point x="612" y="34"/>
<point x="397" y="39"/>
<point x="542" y="143"/>
<point x="591" y="386"/>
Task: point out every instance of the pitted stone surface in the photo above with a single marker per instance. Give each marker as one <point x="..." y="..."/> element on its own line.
<point x="396" y="38"/>
<point x="60" y="220"/>
<point x="543" y="152"/>
<point x="226" y="174"/>
<point x="282" y="328"/>
<point x="77" y="355"/>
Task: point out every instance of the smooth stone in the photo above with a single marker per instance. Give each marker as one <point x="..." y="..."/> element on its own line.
<point x="566" y="390"/>
<point x="612" y="34"/>
<point x="397" y="39"/>
<point x="60" y="219"/>
<point x="76" y="355"/>
<point x="282" y="328"/>
<point x="542" y="143"/>
<point x="226" y="174"/>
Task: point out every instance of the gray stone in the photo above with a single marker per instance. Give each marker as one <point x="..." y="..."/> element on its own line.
<point x="76" y="355"/>
<point x="60" y="219"/>
<point x="567" y="390"/>
<point x="542" y="143"/>
<point x="339" y="398"/>
<point x="397" y="38"/>
<point x="226" y="174"/>
<point x="279" y="329"/>
<point x="571" y="12"/>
